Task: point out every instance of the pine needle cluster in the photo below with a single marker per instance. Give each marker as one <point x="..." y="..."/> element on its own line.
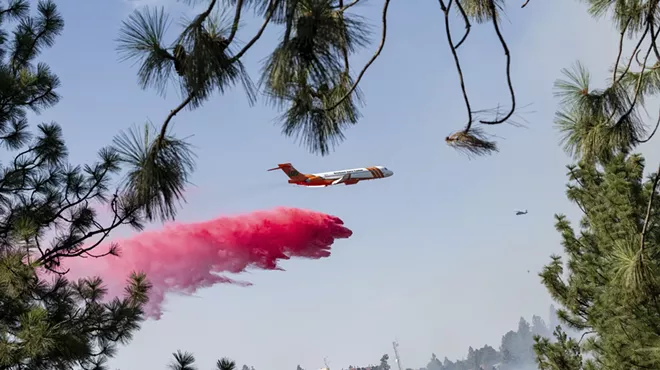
<point x="308" y="75"/>
<point x="599" y="123"/>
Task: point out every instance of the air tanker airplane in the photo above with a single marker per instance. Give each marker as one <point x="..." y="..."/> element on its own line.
<point x="348" y="177"/>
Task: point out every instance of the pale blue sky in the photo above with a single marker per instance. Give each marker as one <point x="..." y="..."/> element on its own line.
<point x="437" y="260"/>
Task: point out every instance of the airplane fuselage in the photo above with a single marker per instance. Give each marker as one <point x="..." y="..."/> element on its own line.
<point x="347" y="177"/>
<point x="352" y="176"/>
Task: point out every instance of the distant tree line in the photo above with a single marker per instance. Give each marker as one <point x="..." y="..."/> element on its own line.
<point x="516" y="351"/>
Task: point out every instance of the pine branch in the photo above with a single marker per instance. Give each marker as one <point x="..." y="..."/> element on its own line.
<point x="237" y="19"/>
<point x="271" y="10"/>
<point x="235" y="58"/>
<point x="173" y="112"/>
<point x="198" y="20"/>
<point x="638" y="87"/>
<point x="468" y="25"/>
<point x="618" y="56"/>
<point x="508" y="67"/>
<point x="635" y="50"/>
<point x="657" y="123"/>
<point x="343" y="8"/>
<point x="373" y="59"/>
<point x="445" y="9"/>
<point x="650" y="19"/>
<point x="291" y="6"/>
<point x="344" y="49"/>
<point x="51" y="256"/>
<point x="202" y="17"/>
<point x="16" y="9"/>
<point x="52" y="26"/>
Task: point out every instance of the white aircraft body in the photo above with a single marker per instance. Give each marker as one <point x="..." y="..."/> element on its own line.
<point x="346" y="177"/>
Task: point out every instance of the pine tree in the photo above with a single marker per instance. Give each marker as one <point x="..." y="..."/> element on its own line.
<point x="434" y="363"/>
<point x="64" y="324"/>
<point x="48" y="211"/>
<point x="383" y="362"/>
<point x="608" y="284"/>
<point x="564" y="354"/>
<point x="186" y="361"/>
<point x="39" y="191"/>
<point x="612" y="262"/>
<point x="308" y="75"/>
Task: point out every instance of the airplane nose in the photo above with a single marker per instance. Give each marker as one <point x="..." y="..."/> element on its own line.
<point x="389" y="173"/>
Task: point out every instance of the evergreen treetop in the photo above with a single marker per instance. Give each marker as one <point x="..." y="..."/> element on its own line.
<point x="48" y="211"/>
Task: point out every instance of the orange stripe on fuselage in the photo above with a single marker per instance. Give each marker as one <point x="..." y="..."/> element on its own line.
<point x="377" y="174"/>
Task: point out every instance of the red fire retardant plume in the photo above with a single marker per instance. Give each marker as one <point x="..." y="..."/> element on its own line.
<point x="183" y="258"/>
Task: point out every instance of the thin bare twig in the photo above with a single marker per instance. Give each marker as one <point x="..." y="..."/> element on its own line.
<point x="638" y="88"/>
<point x="639" y="62"/>
<point x="468" y="25"/>
<point x="657" y="123"/>
<point x="200" y="18"/>
<point x="639" y="44"/>
<point x="586" y="332"/>
<point x="237" y="20"/>
<point x="618" y="56"/>
<point x="343" y="8"/>
<point x="271" y="10"/>
<point x="173" y="112"/>
<point x="344" y="50"/>
<point x="373" y="58"/>
<point x="653" y="43"/>
<point x="650" y="18"/>
<point x="445" y="10"/>
<point x="508" y="67"/>
<point x="525" y="3"/>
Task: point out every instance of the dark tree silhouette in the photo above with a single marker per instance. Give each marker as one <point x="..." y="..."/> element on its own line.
<point x="186" y="361"/>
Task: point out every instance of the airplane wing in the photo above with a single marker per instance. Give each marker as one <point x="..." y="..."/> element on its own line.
<point x="341" y="179"/>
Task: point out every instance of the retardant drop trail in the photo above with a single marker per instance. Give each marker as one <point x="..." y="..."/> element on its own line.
<point x="183" y="258"/>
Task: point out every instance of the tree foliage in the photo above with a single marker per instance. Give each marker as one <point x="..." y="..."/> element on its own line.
<point x="42" y="196"/>
<point x="564" y="354"/>
<point x="611" y="281"/>
<point x="49" y="210"/>
<point x="607" y="284"/>
<point x="599" y="123"/>
<point x="186" y="361"/>
<point x="308" y="76"/>
<point x="63" y="324"/>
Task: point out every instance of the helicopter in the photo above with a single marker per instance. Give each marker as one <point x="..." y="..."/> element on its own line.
<point x="518" y="213"/>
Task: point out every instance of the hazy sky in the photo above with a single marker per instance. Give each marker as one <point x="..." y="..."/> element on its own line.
<point x="438" y="259"/>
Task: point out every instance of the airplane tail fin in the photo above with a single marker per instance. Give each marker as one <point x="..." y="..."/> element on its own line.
<point x="290" y="171"/>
